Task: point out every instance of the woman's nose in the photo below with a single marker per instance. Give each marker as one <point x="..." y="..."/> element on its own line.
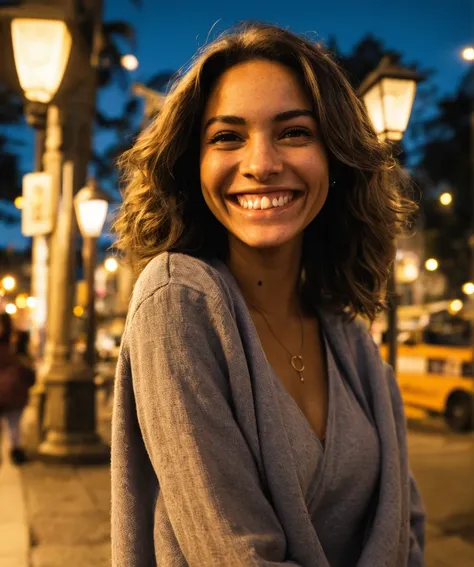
<point x="261" y="160"/>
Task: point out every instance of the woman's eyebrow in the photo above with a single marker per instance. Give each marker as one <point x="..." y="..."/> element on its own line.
<point x="239" y="121"/>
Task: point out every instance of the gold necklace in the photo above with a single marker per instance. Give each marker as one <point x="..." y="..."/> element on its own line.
<point x="296" y="361"/>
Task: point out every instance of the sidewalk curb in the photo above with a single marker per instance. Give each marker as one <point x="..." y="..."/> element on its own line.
<point x="14" y="528"/>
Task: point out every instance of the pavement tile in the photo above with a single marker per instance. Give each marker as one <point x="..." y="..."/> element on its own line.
<point x="449" y="552"/>
<point x="72" y="556"/>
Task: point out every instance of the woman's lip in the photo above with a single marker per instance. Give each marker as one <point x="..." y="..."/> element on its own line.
<point x="269" y="191"/>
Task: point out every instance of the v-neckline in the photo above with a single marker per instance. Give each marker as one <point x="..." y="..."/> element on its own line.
<point x="323" y="444"/>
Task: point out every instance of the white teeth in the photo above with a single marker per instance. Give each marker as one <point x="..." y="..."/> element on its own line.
<point x="265" y="204"/>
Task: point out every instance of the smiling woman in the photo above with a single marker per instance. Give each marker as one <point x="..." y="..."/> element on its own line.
<point x="263" y="169"/>
<point x="255" y="423"/>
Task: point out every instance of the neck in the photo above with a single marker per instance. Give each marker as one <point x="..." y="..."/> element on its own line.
<point x="268" y="278"/>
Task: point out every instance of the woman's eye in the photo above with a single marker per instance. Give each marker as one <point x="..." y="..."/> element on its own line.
<point x="224" y="137"/>
<point x="296" y="133"/>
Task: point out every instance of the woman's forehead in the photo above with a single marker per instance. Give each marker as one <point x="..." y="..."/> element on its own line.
<point x="256" y="89"/>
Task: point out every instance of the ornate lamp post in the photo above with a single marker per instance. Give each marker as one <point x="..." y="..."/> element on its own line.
<point x="46" y="40"/>
<point x="91" y="210"/>
<point x="388" y="93"/>
<point x="41" y="43"/>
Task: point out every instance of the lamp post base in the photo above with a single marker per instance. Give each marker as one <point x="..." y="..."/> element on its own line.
<point x="73" y="449"/>
<point x="70" y="417"/>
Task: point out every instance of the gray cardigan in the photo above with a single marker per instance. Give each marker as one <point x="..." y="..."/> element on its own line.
<point x="195" y="410"/>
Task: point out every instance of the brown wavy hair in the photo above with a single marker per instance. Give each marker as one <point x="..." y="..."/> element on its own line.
<point x="348" y="249"/>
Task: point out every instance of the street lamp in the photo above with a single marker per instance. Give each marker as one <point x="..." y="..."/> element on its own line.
<point x="388" y="93"/>
<point x="91" y="206"/>
<point x="41" y="50"/>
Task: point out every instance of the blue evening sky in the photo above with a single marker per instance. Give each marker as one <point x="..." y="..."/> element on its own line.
<point x="431" y="33"/>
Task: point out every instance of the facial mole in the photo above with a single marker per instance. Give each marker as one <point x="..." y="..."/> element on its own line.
<point x="259" y="283"/>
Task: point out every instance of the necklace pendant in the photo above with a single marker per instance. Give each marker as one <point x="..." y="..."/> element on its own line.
<point x="298" y="365"/>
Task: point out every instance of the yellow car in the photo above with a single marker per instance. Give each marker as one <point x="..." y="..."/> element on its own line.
<point x="437" y="379"/>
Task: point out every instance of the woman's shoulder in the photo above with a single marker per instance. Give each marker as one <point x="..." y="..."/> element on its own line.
<point x="176" y="270"/>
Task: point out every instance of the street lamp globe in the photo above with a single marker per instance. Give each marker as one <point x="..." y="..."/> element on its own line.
<point x="91" y="205"/>
<point x="41" y="50"/>
<point x="388" y="93"/>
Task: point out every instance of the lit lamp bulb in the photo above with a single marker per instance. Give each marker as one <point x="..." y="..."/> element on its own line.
<point x="431" y="265"/>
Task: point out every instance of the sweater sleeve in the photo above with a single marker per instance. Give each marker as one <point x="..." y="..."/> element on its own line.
<point x="182" y="352"/>
<point x="417" y="511"/>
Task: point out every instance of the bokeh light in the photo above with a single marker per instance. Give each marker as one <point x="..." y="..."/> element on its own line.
<point x="78" y="311"/>
<point x="446" y="199"/>
<point x="431" y="264"/>
<point x="468" y="288"/>
<point x="111" y="265"/>
<point x="10" y="308"/>
<point x="18" y="202"/>
<point x="9" y="283"/>
<point x="129" y="62"/>
<point x="468" y="53"/>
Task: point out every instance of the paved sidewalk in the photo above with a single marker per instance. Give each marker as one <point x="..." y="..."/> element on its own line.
<point x="68" y="511"/>
<point x="14" y="532"/>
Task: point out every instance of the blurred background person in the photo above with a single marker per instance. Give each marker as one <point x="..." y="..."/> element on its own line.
<point x="16" y="377"/>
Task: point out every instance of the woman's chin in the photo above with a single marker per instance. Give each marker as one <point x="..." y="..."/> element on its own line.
<point x="266" y="238"/>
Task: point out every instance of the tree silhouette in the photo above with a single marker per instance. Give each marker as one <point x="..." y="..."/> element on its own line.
<point x="444" y="165"/>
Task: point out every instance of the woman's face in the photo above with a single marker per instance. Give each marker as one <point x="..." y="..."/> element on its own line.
<point x="264" y="170"/>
